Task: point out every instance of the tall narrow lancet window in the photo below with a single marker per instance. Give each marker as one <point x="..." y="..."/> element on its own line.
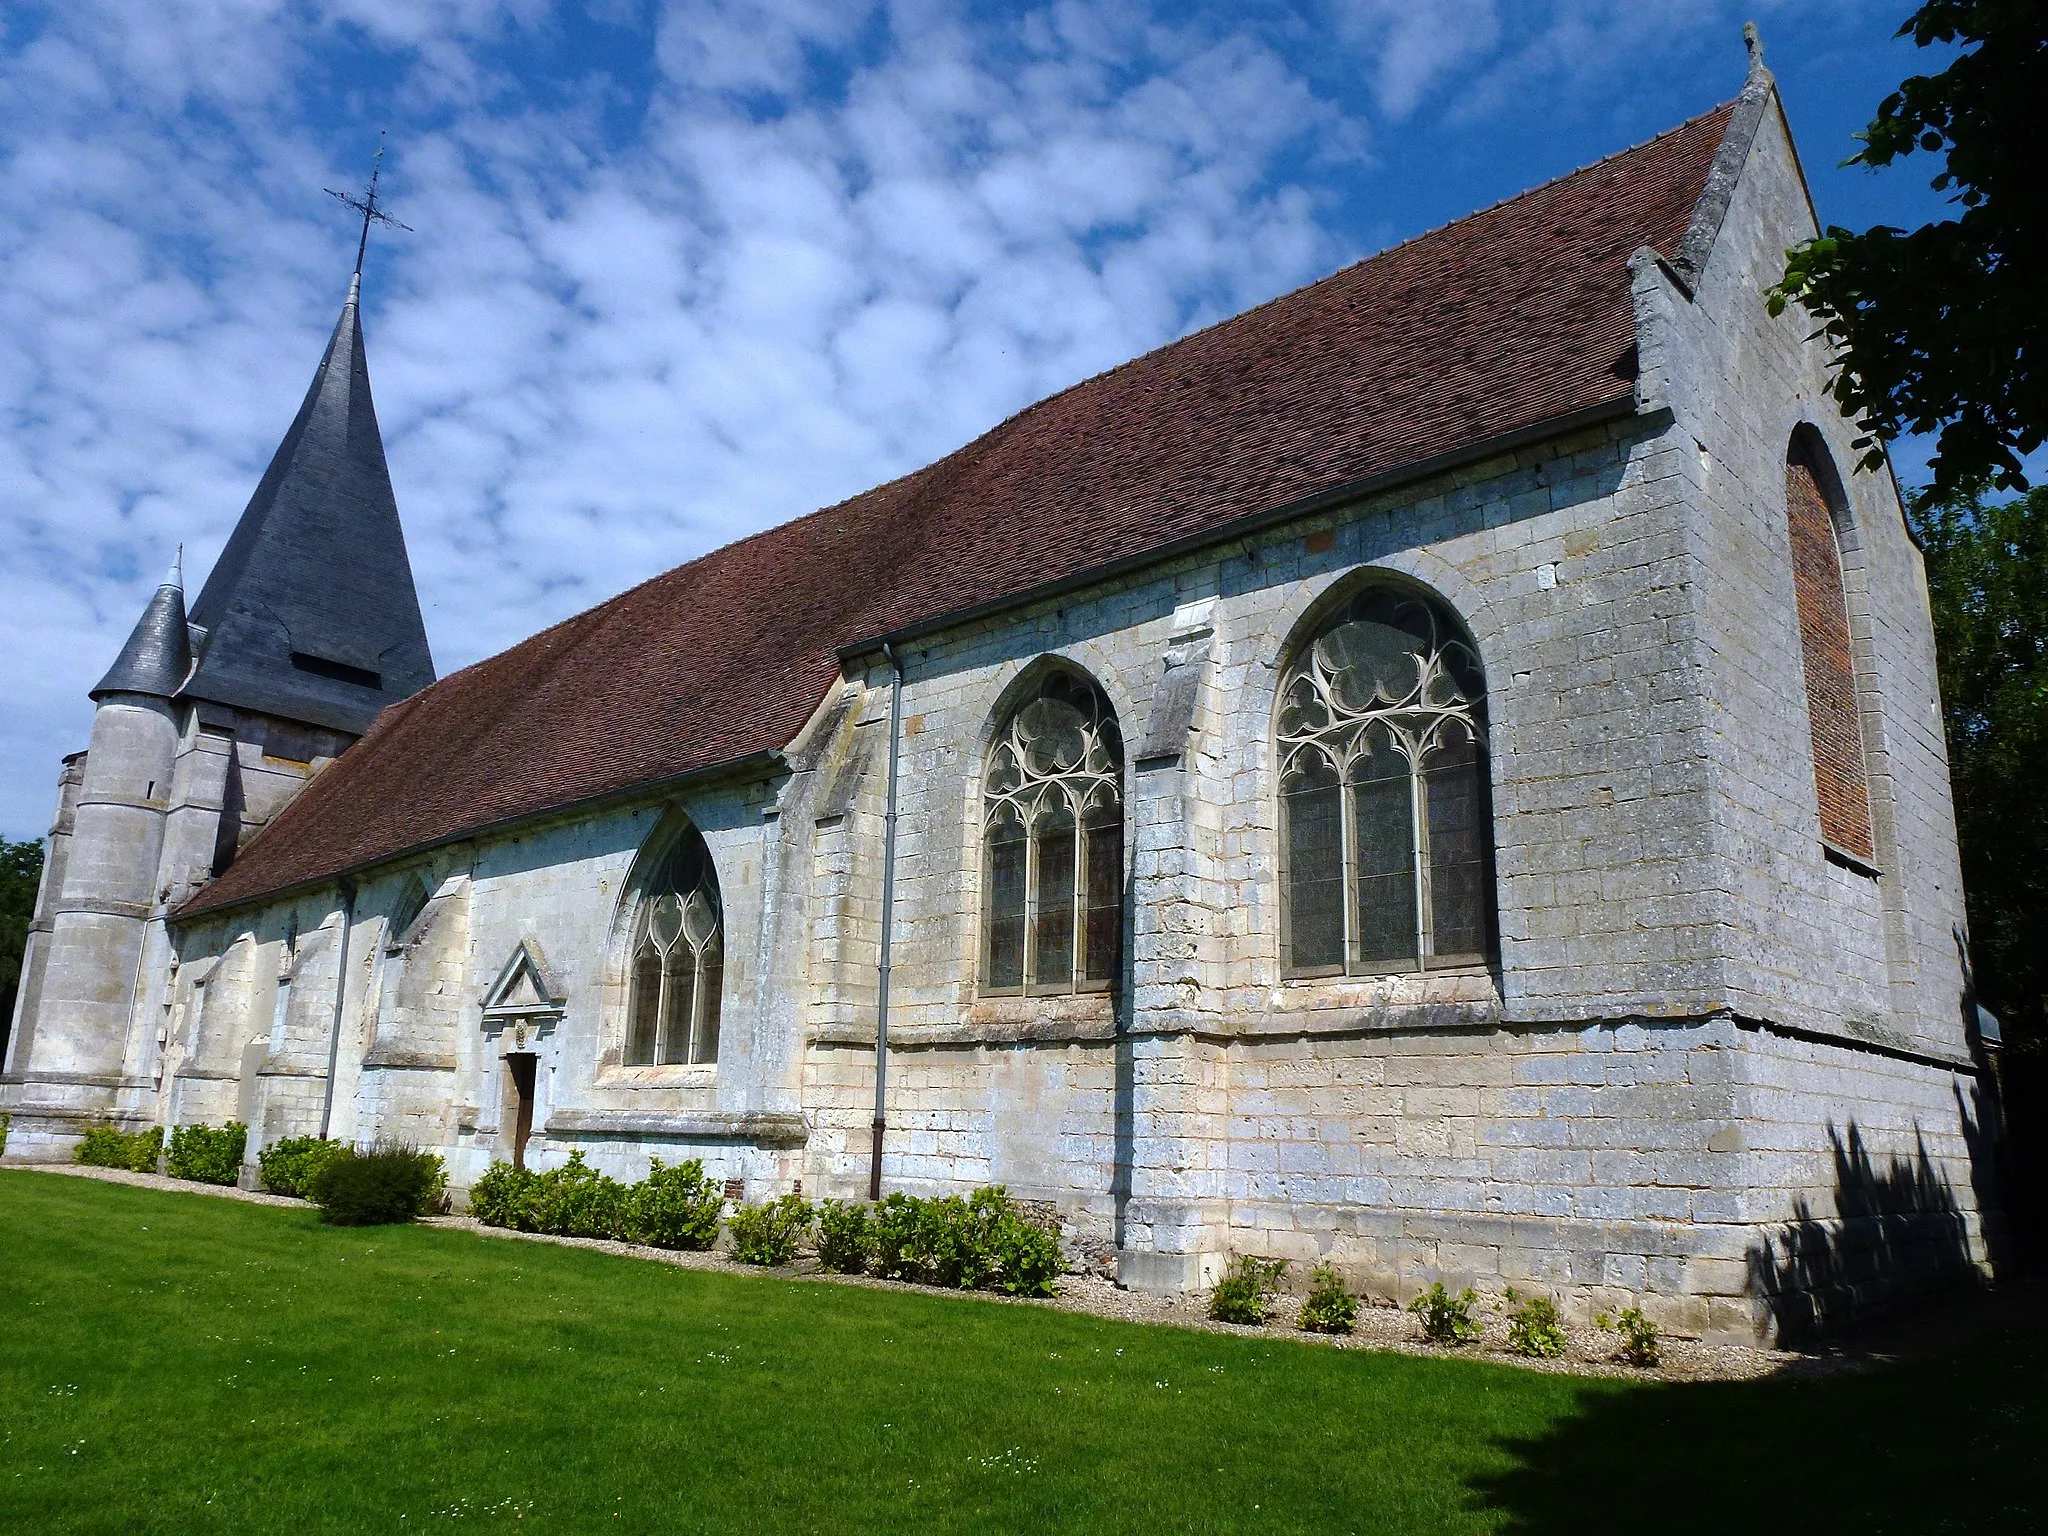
<point x="1384" y="812"/>
<point x="677" y="960"/>
<point x="1838" y="767"/>
<point x="1053" y="844"/>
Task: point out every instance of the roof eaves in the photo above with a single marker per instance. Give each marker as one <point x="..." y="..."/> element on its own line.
<point x="198" y="906"/>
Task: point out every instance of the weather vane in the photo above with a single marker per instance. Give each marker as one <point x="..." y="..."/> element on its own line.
<point x="366" y="205"/>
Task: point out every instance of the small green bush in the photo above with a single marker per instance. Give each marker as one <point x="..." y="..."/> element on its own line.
<point x="769" y="1233"/>
<point x="846" y="1236"/>
<point x="207" y="1154"/>
<point x="1245" y="1295"/>
<point x="1533" y="1327"/>
<point x="385" y="1184"/>
<point x="289" y="1166"/>
<point x="576" y="1200"/>
<point x="977" y="1243"/>
<point x="1640" y="1345"/>
<point x="1330" y="1308"/>
<point x="503" y="1197"/>
<point x="901" y="1237"/>
<point x="1446" y="1319"/>
<point x="104" y="1146"/>
<point x="673" y="1208"/>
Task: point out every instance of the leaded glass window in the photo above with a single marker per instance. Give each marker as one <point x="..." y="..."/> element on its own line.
<point x="677" y="961"/>
<point x="1384" y="819"/>
<point x="1053" y="845"/>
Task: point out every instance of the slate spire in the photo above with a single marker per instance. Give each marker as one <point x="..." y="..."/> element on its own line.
<point x="159" y="650"/>
<point x="311" y="613"/>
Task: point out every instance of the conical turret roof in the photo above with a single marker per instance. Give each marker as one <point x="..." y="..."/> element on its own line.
<point x="311" y="613"/>
<point x="159" y="649"/>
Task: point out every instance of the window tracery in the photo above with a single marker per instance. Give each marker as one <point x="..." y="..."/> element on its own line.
<point x="677" y="961"/>
<point x="1053" y="844"/>
<point x="1384" y="819"/>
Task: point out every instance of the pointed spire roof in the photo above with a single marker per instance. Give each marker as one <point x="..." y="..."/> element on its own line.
<point x="311" y="613"/>
<point x="159" y="649"/>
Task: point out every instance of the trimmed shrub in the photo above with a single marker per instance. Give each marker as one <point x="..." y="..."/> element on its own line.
<point x="385" y="1184"/>
<point x="1533" y="1327"/>
<point x="901" y="1237"/>
<point x="576" y="1200"/>
<point x="846" y="1236"/>
<point x="289" y="1166"/>
<point x="770" y="1232"/>
<point x="1640" y="1345"/>
<point x="1245" y="1295"/>
<point x="503" y="1197"/>
<point x="976" y="1243"/>
<point x="674" y="1208"/>
<point x="1446" y="1319"/>
<point x="207" y="1154"/>
<point x="671" y="1208"/>
<point x="1330" y="1308"/>
<point x="104" y="1146"/>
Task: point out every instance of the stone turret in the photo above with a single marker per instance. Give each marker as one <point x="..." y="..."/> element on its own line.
<point x="75" y="1012"/>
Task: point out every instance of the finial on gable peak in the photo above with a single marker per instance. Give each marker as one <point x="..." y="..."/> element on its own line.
<point x="1753" y="43"/>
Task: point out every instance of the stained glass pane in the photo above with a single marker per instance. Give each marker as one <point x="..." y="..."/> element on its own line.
<point x="676" y="1007"/>
<point x="710" y="983"/>
<point x="1370" y="661"/>
<point x="1383" y="823"/>
<point x="1312" y="824"/>
<point x="1457" y="847"/>
<point x="1054" y="734"/>
<point x="1004" y="883"/>
<point x="1103" y="923"/>
<point x="644" y="1011"/>
<point x="665" y="920"/>
<point x="1052" y="918"/>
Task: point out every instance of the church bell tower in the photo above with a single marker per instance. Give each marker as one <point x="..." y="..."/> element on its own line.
<point x="207" y="725"/>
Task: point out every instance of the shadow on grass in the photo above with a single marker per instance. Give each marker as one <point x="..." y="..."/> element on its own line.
<point x="1947" y="1444"/>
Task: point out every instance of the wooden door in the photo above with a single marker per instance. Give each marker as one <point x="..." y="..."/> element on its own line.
<point x="519" y="1078"/>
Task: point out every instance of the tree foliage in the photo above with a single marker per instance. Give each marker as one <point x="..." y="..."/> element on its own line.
<point x="21" y="868"/>
<point x="1985" y="565"/>
<point x="1946" y="327"/>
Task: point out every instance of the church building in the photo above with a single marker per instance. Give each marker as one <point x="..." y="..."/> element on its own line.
<point x="1441" y="773"/>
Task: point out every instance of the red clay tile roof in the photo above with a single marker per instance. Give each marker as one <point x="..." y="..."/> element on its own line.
<point x="1506" y="319"/>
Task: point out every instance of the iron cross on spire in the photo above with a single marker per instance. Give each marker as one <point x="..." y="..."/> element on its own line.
<point x="366" y="205"/>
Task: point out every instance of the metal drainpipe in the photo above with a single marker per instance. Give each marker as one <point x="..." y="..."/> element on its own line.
<point x="888" y="924"/>
<point x="348" y="915"/>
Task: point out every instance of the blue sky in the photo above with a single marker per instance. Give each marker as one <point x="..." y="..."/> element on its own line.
<point x="686" y="268"/>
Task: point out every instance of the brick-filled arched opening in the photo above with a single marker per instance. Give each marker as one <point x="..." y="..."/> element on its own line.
<point x="1840" y="776"/>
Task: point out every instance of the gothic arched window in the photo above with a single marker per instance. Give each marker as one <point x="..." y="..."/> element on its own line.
<point x="1384" y="820"/>
<point x="1053" y="844"/>
<point x="677" y="960"/>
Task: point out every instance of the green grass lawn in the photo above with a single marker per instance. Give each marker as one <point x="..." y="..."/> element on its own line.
<point x="179" y="1363"/>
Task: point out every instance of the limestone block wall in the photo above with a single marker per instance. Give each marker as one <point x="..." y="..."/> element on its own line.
<point x="1868" y="954"/>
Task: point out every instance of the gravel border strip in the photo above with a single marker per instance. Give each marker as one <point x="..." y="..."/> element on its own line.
<point x="1381" y="1328"/>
